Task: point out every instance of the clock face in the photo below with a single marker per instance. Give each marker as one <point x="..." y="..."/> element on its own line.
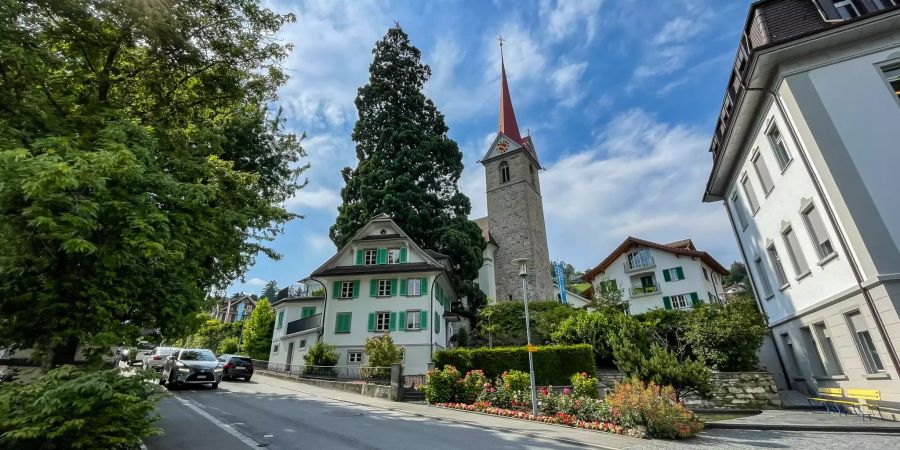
<point x="502" y="146"/>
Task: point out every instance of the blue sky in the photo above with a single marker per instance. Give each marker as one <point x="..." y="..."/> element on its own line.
<point x="620" y="97"/>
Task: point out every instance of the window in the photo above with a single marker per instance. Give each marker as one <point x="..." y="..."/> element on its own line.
<point x="846" y="9"/>
<point x="778" y="147"/>
<point x="302" y="343"/>
<point x="673" y="274"/>
<point x="607" y="286"/>
<point x="763" y="278"/>
<point x="414" y="286"/>
<point x="369" y="257"/>
<point x="382" y="321"/>
<point x="275" y="348"/>
<point x="280" y="319"/>
<point x="893" y="77"/>
<point x="504" y="172"/>
<point x="705" y="273"/>
<point x="762" y="172"/>
<point x="679" y="301"/>
<point x="346" y="289"/>
<point x="794" y="253"/>
<point x="639" y="259"/>
<point x="342" y="322"/>
<point x="748" y="192"/>
<point x="826" y="349"/>
<point x="413" y="320"/>
<point x="775" y="259"/>
<point x="354" y="357"/>
<point x="882" y="4"/>
<point x="793" y="365"/>
<point x="712" y="298"/>
<point x="384" y="288"/>
<point x="817" y="233"/>
<point x="307" y="311"/>
<point x="816" y="365"/>
<point x="739" y="210"/>
<point x="860" y="331"/>
<point x="394" y="256"/>
<point x="531" y="172"/>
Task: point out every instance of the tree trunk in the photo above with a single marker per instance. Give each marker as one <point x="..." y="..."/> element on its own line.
<point x="64" y="353"/>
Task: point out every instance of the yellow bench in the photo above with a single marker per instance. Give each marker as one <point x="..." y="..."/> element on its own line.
<point x="826" y="396"/>
<point x="854" y="399"/>
<point x="869" y="395"/>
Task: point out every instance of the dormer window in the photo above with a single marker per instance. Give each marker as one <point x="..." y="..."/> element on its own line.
<point x="394" y="256"/>
<point x="504" y="172"/>
<point x="370" y="257"/>
<point x="846" y="9"/>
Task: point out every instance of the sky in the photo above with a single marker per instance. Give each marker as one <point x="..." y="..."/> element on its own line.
<point x="620" y="98"/>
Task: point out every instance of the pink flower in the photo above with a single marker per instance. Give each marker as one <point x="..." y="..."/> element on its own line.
<point x="567" y="391"/>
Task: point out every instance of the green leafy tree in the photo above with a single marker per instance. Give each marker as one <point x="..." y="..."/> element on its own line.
<point x="592" y="328"/>
<point x="572" y="276"/>
<point x="727" y="336"/>
<point x="211" y="334"/>
<point x="321" y="354"/>
<point x="737" y="274"/>
<point x="270" y="291"/>
<point x="140" y="164"/>
<point x="258" y="331"/>
<point x="381" y="351"/>
<point x="503" y="323"/>
<point x="228" y="345"/>
<point x="609" y="299"/>
<point x="408" y="167"/>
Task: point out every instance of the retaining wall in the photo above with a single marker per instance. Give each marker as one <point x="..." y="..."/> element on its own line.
<point x="738" y="390"/>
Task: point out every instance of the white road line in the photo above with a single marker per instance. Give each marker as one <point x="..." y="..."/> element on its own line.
<point x="228" y="428"/>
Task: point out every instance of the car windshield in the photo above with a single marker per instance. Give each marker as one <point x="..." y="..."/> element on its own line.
<point x="146" y="346"/>
<point x="197" y="355"/>
<point x="240" y="359"/>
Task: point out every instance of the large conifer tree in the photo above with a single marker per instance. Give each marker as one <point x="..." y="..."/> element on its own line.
<point x="408" y="167"/>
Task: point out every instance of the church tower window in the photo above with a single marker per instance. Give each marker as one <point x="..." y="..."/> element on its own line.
<point x="504" y="172"/>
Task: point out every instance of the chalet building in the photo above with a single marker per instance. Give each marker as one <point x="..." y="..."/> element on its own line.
<point x="380" y="282"/>
<point x="234" y="309"/>
<point x="655" y="276"/>
<point x="805" y="161"/>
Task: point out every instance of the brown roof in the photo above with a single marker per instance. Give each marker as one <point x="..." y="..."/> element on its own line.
<point x="378" y="269"/>
<point x="677" y="248"/>
<point x="485" y="226"/>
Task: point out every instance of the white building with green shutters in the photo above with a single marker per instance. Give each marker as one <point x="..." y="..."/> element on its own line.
<point x="652" y="276"/>
<point x="380" y="282"/>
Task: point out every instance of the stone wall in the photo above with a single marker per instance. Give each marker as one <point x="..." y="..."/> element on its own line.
<point x="738" y="390"/>
<point x="367" y="389"/>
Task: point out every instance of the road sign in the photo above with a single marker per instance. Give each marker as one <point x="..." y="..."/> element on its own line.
<point x="240" y="311"/>
<point x="532" y="348"/>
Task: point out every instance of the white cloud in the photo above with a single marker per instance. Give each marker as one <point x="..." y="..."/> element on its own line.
<point x="319" y="243"/>
<point x="566" y="85"/>
<point x="255" y="282"/>
<point x="313" y="198"/>
<point x="677" y="30"/>
<point x="563" y="18"/>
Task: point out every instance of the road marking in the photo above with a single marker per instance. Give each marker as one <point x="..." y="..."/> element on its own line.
<point x="228" y="428"/>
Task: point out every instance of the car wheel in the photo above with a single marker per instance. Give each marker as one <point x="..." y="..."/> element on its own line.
<point x="246" y="379"/>
<point x="172" y="383"/>
<point x="215" y="385"/>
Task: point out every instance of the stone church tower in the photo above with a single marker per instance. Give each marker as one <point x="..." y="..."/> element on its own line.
<point x="515" y="221"/>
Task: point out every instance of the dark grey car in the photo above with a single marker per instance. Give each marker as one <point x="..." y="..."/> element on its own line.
<point x="191" y="366"/>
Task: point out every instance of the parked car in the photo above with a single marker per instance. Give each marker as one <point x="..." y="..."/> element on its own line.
<point x="136" y="355"/>
<point x="157" y="358"/>
<point x="236" y="366"/>
<point x="191" y="366"/>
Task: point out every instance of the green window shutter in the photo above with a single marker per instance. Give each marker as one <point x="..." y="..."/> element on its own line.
<point x="667" y="302"/>
<point x="373" y="288"/>
<point x="680" y="273"/>
<point x="423" y="320"/>
<point x="423" y="286"/>
<point x="280" y="319"/>
<point x="666" y="275"/>
<point x="403" y="254"/>
<point x="394" y="284"/>
<point x="337" y="290"/>
<point x="347" y="318"/>
<point x="371" y="321"/>
<point x="307" y="311"/>
<point x="392" y="321"/>
<point x="342" y="322"/>
<point x="402" y="320"/>
<point x="403" y="286"/>
<point x="695" y="299"/>
<point x="355" y="288"/>
<point x="381" y="256"/>
<point x="359" y="257"/>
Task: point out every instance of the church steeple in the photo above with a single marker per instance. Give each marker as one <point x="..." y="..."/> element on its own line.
<point x="507" y="124"/>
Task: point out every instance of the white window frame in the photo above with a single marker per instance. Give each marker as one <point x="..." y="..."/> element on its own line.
<point x="412" y="283"/>
<point x="346" y="289"/>
<point x="762" y="173"/>
<point x="382" y="325"/>
<point x="774" y="143"/>
<point x="680" y="301"/>
<point x="807" y="215"/>
<point x="777" y="266"/>
<point x="795" y="253"/>
<point x="705" y="273"/>
<point x="827" y="352"/>
<point x="275" y="349"/>
<point x="413" y="320"/>
<point x="763" y="278"/>
<point x="384" y="288"/>
<point x="393" y="256"/>
<point x="354" y="356"/>
<point x="739" y="210"/>
<point x="839" y="4"/>
<point x="747" y="186"/>
<point x="869" y="354"/>
<point x="370" y="257"/>
<point x="301" y="344"/>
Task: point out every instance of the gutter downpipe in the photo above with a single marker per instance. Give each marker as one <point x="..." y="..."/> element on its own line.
<point x="324" y="306"/>
<point x="756" y="296"/>
<point x="845" y="246"/>
<point x="431" y="313"/>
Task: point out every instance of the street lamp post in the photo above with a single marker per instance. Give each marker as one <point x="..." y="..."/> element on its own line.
<point x="523" y="273"/>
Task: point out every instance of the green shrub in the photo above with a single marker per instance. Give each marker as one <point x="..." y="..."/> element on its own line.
<point x="634" y="403"/>
<point x="516" y="381"/>
<point x="584" y="385"/>
<point x="381" y="351"/>
<point x="73" y="408"/>
<point x="321" y="354"/>
<point x="553" y="364"/>
<point x="473" y="385"/>
<point x="441" y="386"/>
<point x="592" y="328"/>
<point x="229" y="345"/>
<point x="503" y="323"/>
<point x="727" y="337"/>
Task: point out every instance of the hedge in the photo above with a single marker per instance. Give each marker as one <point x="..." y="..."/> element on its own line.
<point x="553" y="364"/>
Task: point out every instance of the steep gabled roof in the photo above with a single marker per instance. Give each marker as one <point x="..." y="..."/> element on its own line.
<point x="682" y="248"/>
<point x="485" y="224"/>
<point x="507" y="122"/>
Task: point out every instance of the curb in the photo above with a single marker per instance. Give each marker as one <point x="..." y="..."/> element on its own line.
<point x="789" y="427"/>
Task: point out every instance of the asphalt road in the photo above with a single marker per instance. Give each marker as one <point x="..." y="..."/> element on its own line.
<point x="240" y="415"/>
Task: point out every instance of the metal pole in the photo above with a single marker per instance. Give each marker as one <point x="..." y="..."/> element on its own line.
<point x="534" y="404"/>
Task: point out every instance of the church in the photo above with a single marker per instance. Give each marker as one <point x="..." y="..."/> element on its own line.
<point x="514" y="227"/>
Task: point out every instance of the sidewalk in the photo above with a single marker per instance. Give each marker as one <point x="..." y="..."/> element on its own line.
<point x="807" y="420"/>
<point x="569" y="435"/>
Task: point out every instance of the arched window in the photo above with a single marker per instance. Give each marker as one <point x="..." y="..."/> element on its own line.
<point x="531" y="171"/>
<point x="504" y="172"/>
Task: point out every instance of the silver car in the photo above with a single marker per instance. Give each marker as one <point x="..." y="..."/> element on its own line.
<point x="191" y="366"/>
<point x="157" y="359"/>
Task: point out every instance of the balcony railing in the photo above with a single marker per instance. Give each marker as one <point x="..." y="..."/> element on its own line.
<point x="639" y="263"/>
<point x="306" y="323"/>
<point x="637" y="291"/>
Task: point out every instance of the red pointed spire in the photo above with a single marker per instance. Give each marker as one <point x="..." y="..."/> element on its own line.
<point x="508" y="124"/>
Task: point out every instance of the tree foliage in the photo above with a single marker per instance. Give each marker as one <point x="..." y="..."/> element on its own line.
<point x="381" y="351"/>
<point x="270" y="291"/>
<point x="737" y="274"/>
<point x="593" y="328"/>
<point x="727" y="336"/>
<point x="141" y="165"/>
<point x="211" y="334"/>
<point x="503" y="323"/>
<point x="258" y="331"/>
<point x="321" y="354"/>
<point x="408" y="167"/>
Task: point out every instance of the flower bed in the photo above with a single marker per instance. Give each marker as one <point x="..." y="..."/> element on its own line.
<point x="559" y="418"/>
